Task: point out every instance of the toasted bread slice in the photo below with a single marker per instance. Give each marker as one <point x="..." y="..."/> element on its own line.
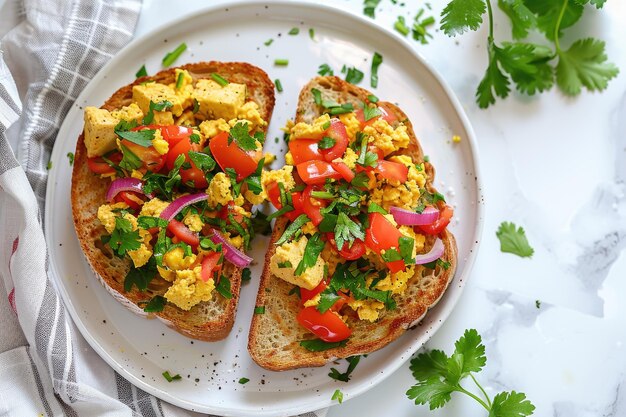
<point x="274" y="340"/>
<point x="211" y="320"/>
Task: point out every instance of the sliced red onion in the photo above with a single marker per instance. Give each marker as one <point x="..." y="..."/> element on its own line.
<point x="435" y="253"/>
<point x="180" y="203"/>
<point x="411" y="218"/>
<point x="124" y="184"/>
<point x="231" y="253"/>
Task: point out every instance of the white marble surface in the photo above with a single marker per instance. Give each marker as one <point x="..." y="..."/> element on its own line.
<point x="556" y="166"/>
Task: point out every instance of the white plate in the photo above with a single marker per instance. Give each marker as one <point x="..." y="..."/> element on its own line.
<point x="140" y="350"/>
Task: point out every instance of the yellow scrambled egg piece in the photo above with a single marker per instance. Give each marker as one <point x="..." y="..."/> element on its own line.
<point x="153" y="207"/>
<point x="250" y="111"/>
<point x="367" y="309"/>
<point x="396" y="283"/>
<point x="189" y="289"/>
<point x="176" y="260"/>
<point x="156" y="92"/>
<point x="313" y="301"/>
<point x="283" y="175"/>
<point x="219" y="190"/>
<point x="404" y="195"/>
<point x="304" y="130"/>
<point x="415" y="174"/>
<point x="128" y="113"/>
<point x="352" y="124"/>
<point x="107" y="216"/>
<point x="211" y="128"/>
<point x="292" y="253"/>
<point x="350" y="157"/>
<point x="142" y="255"/>
<point x="331" y="258"/>
<point x="160" y="144"/>
<point x="193" y="221"/>
<point x="136" y="174"/>
<point x="289" y="158"/>
<point x="382" y="135"/>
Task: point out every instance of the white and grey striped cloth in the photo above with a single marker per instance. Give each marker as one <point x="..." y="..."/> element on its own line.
<point x="49" y="51"/>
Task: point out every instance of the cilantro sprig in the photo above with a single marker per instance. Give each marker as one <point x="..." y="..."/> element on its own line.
<point x="513" y="240"/>
<point x="530" y="66"/>
<point x="439" y="375"/>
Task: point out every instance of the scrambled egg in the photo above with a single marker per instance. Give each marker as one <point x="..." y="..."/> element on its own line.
<point x="396" y="283"/>
<point x="143" y="94"/>
<point x="367" y="309"/>
<point x="211" y="128"/>
<point x="404" y="195"/>
<point x="313" y="301"/>
<point x="153" y="207"/>
<point x="293" y="253"/>
<point x="219" y="190"/>
<point x="331" y="258"/>
<point x="289" y="158"/>
<point x="283" y="175"/>
<point x="185" y="90"/>
<point x="350" y="157"/>
<point x="189" y="289"/>
<point x="193" y="221"/>
<point x="173" y="261"/>
<point x="382" y="135"/>
<point x="311" y="131"/>
<point x="352" y="124"/>
<point x="160" y="144"/>
<point x="186" y="119"/>
<point x="142" y="255"/>
<point x="250" y="111"/>
<point x="216" y="101"/>
<point x="415" y="174"/>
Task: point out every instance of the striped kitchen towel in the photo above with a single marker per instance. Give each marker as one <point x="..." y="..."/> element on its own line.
<point x="46" y="368"/>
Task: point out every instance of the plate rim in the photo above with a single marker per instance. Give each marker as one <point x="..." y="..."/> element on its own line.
<point x="460" y="277"/>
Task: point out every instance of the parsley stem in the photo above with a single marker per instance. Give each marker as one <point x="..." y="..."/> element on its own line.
<point x="490" y="13"/>
<point x="459" y="388"/>
<point x="480" y="387"/>
<point x="557" y="27"/>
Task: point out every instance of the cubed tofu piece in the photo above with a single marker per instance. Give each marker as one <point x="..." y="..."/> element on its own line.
<point x="285" y="260"/>
<point x="128" y="113"/>
<point x="156" y="92"/>
<point x="216" y="101"/>
<point x="99" y="131"/>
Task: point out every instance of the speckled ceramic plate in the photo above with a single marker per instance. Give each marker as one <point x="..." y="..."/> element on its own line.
<point x="140" y="350"/>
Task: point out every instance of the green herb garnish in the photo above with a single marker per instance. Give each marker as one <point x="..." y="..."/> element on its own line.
<point x="171" y="57"/>
<point x="513" y="240"/>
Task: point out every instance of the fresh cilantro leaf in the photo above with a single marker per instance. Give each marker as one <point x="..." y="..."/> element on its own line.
<point x="326" y="143"/>
<point x="124" y="238"/>
<point x="246" y="275"/>
<point x="155" y="305"/>
<point x="148" y="222"/>
<point x="70" y="157"/>
<point x="354" y="76"/>
<point x="140" y="277"/>
<point x="548" y="13"/>
<point x="223" y="287"/>
<point x="369" y="7"/>
<point x="318" y="345"/>
<point x="401" y="27"/>
<point x="329" y="221"/>
<point x="513" y="240"/>
<point x="360" y="180"/>
<point x="160" y="106"/>
<point x="434" y="392"/>
<point x="428" y="365"/>
<point x="129" y="160"/>
<point x="170" y="378"/>
<point x="369" y="159"/>
<point x="337" y="395"/>
<point x="240" y="134"/>
<point x="142" y="72"/>
<point x="391" y="255"/>
<point x="353" y="361"/>
<point x="125" y="125"/>
<point x="327" y="300"/>
<point x="528" y="65"/>
<point x="511" y="404"/>
<point x="254" y="180"/>
<point x="244" y="380"/>
<point x="325" y="69"/>
<point x="194" y="138"/>
<point x="202" y="161"/>
<point x="462" y="15"/>
<point x="139" y="137"/>
<point x="473" y="351"/>
<point x="584" y="64"/>
<point x="371" y="112"/>
<point x="171" y="57"/>
<point x="493" y="84"/>
<point x="375" y="208"/>
<point x="314" y="247"/>
<point x="294" y="227"/>
<point x="406" y="245"/>
<point x="522" y="18"/>
<point x="259" y="310"/>
<point x="346" y="231"/>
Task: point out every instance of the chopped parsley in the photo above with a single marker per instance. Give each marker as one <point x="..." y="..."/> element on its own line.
<point x="155" y="305"/>
<point x="513" y="240"/>
<point x="70" y="157"/>
<point x="285" y="264"/>
<point x="369" y="7"/>
<point x="353" y="361"/>
<point x="268" y="42"/>
<point x="240" y="134"/>
<point x="377" y="59"/>
<point x="354" y="76"/>
<point x="246" y="275"/>
<point x="338" y="396"/>
<point x="312" y="34"/>
<point x="138" y="137"/>
<point x="202" y="161"/>
<point x="259" y="310"/>
<point x="318" y="345"/>
<point x="312" y="251"/>
<point x="160" y="106"/>
<point x="294" y="31"/>
<point x="140" y="277"/>
<point x="325" y="69"/>
<point x="347" y="230"/>
<point x="326" y="143"/>
<point x="243" y="381"/>
<point x="124" y="238"/>
<point x="223" y="287"/>
<point x="293" y="228"/>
